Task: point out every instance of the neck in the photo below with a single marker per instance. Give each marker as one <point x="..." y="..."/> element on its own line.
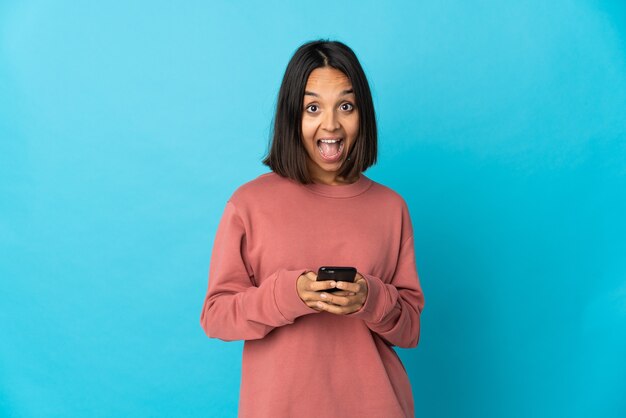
<point x="331" y="179"/>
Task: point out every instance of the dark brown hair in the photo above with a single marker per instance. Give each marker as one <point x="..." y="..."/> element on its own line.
<point x="287" y="155"/>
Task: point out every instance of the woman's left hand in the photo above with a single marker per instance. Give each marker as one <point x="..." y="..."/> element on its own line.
<point x="351" y="298"/>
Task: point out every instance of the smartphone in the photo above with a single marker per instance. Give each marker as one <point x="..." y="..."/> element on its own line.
<point x="341" y="274"/>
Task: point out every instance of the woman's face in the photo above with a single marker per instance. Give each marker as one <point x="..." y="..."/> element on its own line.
<point x="330" y="122"/>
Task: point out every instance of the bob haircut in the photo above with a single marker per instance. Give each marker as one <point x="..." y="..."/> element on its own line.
<point x="287" y="155"/>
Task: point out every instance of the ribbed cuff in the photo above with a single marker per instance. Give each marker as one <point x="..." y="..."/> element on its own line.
<point x="286" y="295"/>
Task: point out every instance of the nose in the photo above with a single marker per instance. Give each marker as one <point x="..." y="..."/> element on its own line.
<point x="330" y="121"/>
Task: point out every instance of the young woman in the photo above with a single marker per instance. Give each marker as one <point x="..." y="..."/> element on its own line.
<point x="318" y="348"/>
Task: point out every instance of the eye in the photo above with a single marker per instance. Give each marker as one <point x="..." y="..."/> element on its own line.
<point x="312" y="108"/>
<point x="347" y="107"/>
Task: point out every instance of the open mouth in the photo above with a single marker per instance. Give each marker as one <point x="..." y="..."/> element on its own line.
<point x="330" y="149"/>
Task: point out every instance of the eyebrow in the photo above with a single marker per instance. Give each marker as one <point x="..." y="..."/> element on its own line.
<point x="343" y="93"/>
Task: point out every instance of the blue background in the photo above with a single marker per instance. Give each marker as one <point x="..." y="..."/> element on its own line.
<point x="125" y="126"/>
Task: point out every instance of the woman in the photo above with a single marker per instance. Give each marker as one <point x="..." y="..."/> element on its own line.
<point x="310" y="349"/>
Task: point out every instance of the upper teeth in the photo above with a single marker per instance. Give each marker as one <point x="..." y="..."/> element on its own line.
<point x="330" y="141"/>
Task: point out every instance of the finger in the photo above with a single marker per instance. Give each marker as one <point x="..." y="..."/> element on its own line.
<point x="311" y="275"/>
<point x="336" y="309"/>
<point x="314" y="296"/>
<point x="323" y="285"/>
<point x="336" y="300"/>
<point x="349" y="287"/>
<point x="343" y="293"/>
<point x="313" y="305"/>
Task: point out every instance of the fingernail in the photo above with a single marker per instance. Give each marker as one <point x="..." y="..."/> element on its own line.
<point x="323" y="296"/>
<point x="320" y="304"/>
<point x="332" y="284"/>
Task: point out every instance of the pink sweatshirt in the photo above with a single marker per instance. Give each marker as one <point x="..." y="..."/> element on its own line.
<point x="298" y="362"/>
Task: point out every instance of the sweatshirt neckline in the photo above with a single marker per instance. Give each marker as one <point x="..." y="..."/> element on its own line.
<point x="343" y="190"/>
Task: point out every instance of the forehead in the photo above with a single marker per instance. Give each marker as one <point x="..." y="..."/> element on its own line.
<point x="327" y="78"/>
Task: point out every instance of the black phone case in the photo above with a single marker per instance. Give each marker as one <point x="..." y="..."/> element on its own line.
<point x="341" y="274"/>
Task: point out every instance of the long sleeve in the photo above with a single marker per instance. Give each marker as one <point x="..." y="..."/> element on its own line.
<point x="234" y="307"/>
<point x="274" y="229"/>
<point x="392" y="310"/>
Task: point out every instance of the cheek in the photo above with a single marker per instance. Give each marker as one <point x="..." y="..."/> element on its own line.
<point x="308" y="129"/>
<point x="353" y="127"/>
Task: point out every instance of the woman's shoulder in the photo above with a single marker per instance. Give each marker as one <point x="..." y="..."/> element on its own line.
<point x="386" y="193"/>
<point x="391" y="202"/>
<point x="259" y="188"/>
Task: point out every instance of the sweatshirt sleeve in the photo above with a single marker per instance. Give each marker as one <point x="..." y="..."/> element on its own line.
<point x="392" y="310"/>
<point x="234" y="307"/>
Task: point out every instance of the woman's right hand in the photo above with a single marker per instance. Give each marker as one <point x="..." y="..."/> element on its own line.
<point x="309" y="289"/>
